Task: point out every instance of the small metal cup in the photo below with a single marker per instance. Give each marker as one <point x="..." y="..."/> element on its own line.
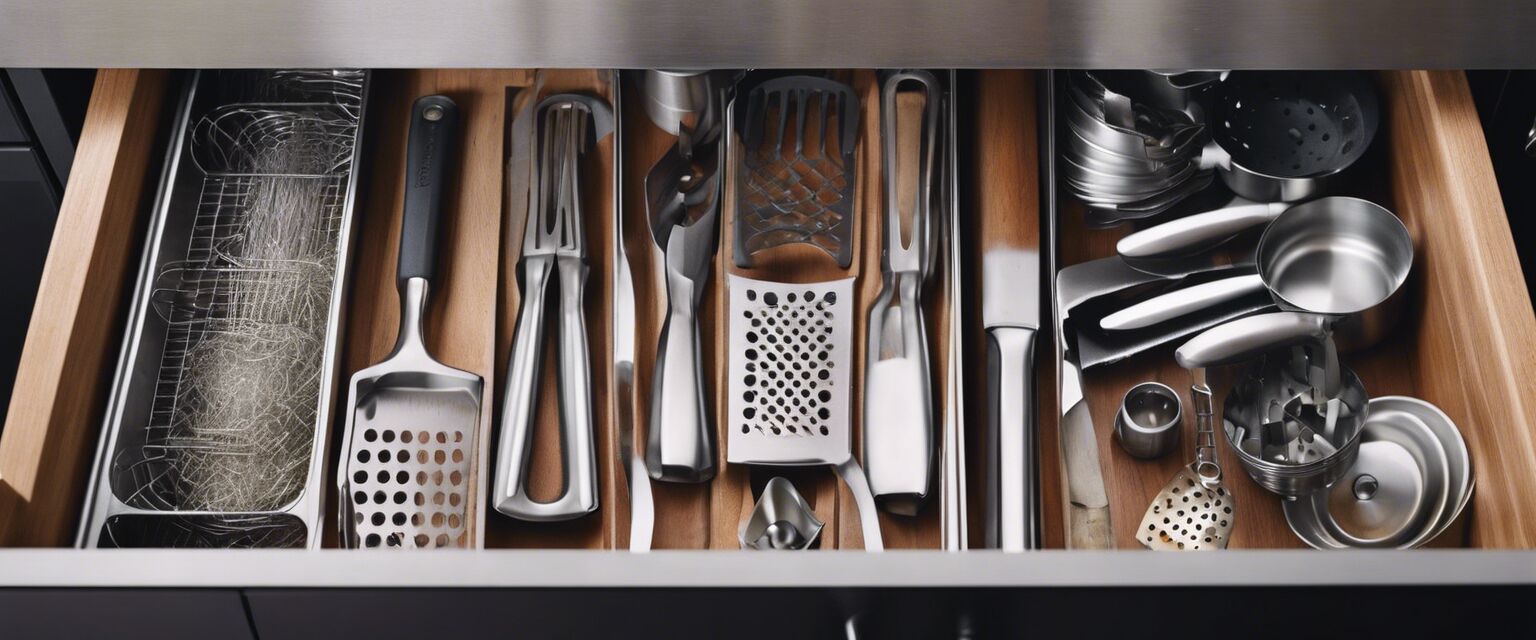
<point x="1148" y="423"/>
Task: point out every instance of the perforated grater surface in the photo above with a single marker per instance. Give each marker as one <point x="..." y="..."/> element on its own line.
<point x="409" y="480"/>
<point x="790" y="363"/>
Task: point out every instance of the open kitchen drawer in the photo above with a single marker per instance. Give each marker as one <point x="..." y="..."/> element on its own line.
<point x="1469" y="347"/>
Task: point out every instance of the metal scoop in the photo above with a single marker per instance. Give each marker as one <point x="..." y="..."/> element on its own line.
<point x="412" y="426"/>
<point x="781" y="520"/>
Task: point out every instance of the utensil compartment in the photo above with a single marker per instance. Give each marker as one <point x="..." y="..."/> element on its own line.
<point x="698" y="516"/>
<point x="1465" y="343"/>
<point x="220" y="409"/>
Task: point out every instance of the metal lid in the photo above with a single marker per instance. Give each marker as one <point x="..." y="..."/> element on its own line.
<point x="1411" y="478"/>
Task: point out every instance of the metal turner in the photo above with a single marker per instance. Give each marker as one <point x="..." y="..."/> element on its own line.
<point x="412" y="426"/>
<point x="801" y="192"/>
<point x="553" y="247"/>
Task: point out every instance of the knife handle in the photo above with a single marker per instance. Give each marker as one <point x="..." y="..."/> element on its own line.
<point x="1088" y="528"/>
<point x="1011" y="518"/>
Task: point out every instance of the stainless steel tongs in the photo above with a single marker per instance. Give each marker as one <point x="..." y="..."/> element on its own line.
<point x="898" y="407"/>
<point x="553" y="245"/>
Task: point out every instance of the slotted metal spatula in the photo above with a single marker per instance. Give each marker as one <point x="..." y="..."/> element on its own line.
<point x="797" y="170"/>
<point x="412" y="426"/>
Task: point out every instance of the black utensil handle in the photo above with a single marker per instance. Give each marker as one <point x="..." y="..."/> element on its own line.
<point x="434" y="129"/>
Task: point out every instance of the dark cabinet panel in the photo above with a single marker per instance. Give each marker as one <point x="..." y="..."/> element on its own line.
<point x="123" y="614"/>
<point x="28" y="207"/>
<point x="11" y="131"/>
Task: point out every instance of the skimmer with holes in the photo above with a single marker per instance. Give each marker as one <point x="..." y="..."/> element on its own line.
<point x="1194" y="511"/>
<point x="411" y="429"/>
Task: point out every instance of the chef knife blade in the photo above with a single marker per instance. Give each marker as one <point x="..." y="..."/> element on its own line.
<point x="1088" y="524"/>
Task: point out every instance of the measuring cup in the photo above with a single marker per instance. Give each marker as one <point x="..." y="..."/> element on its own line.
<point x="1345" y="258"/>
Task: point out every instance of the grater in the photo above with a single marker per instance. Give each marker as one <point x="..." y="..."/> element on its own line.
<point x="790" y="369"/>
<point x="791" y="355"/>
<point x="791" y="345"/>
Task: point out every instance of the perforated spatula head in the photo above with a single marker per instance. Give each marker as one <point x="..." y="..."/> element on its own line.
<point x="1188" y="516"/>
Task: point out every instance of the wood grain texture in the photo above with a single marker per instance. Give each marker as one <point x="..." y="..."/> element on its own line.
<point x="1004" y="197"/>
<point x="1465" y="344"/>
<point x="1476" y="338"/>
<point x="65" y="367"/>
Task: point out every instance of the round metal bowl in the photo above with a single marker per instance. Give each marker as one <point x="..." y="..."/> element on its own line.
<point x="1410" y="482"/>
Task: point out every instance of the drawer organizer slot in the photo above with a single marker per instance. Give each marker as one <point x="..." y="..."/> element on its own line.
<point x="1429" y="166"/>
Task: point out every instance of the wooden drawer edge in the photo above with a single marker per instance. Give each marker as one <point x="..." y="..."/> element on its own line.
<point x="63" y="371"/>
<point x="1441" y="157"/>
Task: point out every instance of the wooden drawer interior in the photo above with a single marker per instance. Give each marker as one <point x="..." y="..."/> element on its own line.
<point x="1465" y="342"/>
<point x="1469" y="345"/>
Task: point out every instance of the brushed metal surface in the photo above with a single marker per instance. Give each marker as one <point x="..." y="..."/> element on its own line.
<point x="583" y="568"/>
<point x="786" y="33"/>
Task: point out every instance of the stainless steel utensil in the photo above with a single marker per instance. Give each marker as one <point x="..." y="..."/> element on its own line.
<point x="413" y="422"/>
<point x="1086" y="290"/>
<point x="1194" y="511"/>
<point x="642" y="506"/>
<point x="553" y="246"/>
<point x="1322" y="380"/>
<point x="683" y="199"/>
<point x="686" y="102"/>
<point x="1010" y="314"/>
<point x="1286" y="135"/>
<point x="781" y="520"/>
<point x="1302" y="258"/>
<point x="801" y="192"/>
<point x="1149" y="421"/>
<point x="953" y="520"/>
<point x="1274" y="136"/>
<point x="1088" y="522"/>
<point x="792" y="344"/>
<point x="1410" y="482"/>
<point x="898" y="395"/>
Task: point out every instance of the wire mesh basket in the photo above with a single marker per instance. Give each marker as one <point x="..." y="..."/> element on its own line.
<point x="216" y="434"/>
